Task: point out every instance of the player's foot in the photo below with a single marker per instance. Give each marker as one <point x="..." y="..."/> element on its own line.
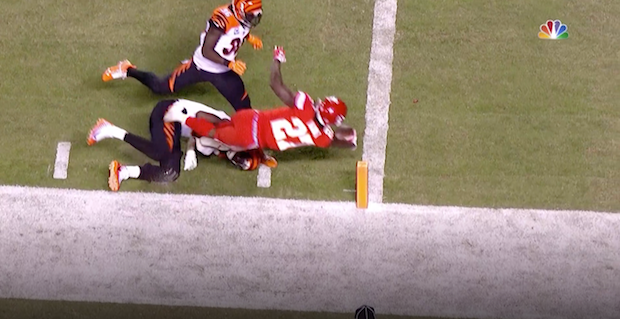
<point x="99" y="132"/>
<point x="269" y="161"/>
<point x="114" y="182"/>
<point x="118" y="71"/>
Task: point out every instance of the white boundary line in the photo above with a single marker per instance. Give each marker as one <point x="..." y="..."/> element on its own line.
<point x="62" y="160"/>
<point x="378" y="96"/>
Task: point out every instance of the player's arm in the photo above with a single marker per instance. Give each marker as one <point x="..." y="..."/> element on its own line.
<point x="345" y="137"/>
<point x="277" y="85"/>
<point x="191" y="161"/>
<point x="208" y="47"/>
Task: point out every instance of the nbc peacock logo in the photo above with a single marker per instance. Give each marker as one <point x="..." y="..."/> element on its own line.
<point x="553" y="30"/>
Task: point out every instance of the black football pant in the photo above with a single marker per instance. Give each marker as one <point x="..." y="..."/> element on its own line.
<point x="164" y="146"/>
<point x="229" y="84"/>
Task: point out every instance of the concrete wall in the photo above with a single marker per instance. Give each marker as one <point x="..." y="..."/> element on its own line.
<point x="297" y="255"/>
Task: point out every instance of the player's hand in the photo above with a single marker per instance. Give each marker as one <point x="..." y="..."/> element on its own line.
<point x="278" y="54"/>
<point x="191" y="161"/>
<point x="353" y="139"/>
<point x="255" y="41"/>
<point x="237" y="66"/>
<point x="176" y="113"/>
<point x="348" y="137"/>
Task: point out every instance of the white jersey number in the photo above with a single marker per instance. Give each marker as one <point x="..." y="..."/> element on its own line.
<point x="283" y="129"/>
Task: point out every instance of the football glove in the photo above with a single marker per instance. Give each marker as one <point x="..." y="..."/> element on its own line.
<point x="237" y="66"/>
<point x="176" y="113"/>
<point x="255" y="41"/>
<point x="191" y="161"/>
<point x="278" y="54"/>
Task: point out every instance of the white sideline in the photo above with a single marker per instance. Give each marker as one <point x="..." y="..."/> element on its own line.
<point x="378" y="95"/>
<point x="62" y="160"/>
<point x="262" y="253"/>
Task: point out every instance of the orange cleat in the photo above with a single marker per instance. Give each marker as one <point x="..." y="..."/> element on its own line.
<point x="269" y="161"/>
<point x="93" y="135"/>
<point x="118" y="71"/>
<point x="113" y="181"/>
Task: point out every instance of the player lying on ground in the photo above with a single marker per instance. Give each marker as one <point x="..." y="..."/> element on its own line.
<point x="214" y="60"/>
<point x="164" y="145"/>
<point x="303" y="122"/>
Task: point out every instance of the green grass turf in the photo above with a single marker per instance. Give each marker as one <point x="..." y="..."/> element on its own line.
<point x="55" y="51"/>
<point x="505" y="119"/>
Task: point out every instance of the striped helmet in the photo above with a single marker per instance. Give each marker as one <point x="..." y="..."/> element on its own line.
<point x="249" y="12"/>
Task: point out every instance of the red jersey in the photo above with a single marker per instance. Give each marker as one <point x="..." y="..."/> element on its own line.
<point x="289" y="127"/>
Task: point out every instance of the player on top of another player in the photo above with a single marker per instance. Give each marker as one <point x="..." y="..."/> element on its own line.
<point x="303" y="122"/>
<point x="214" y="60"/>
<point x="164" y="145"/>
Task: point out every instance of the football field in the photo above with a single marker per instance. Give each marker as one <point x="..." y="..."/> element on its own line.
<point x="503" y="119"/>
<point x="474" y="111"/>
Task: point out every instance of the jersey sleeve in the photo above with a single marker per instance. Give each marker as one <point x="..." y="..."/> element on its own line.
<point x="325" y="139"/>
<point x="219" y="20"/>
<point x="304" y="104"/>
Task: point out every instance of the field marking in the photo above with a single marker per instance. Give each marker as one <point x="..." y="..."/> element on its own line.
<point x="263" y="179"/>
<point x="62" y="160"/>
<point x="378" y="95"/>
<point x="267" y="253"/>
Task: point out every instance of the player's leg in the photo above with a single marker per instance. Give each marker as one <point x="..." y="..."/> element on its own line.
<point x="162" y="134"/>
<point x="184" y="75"/>
<point x="158" y="85"/>
<point x="168" y="171"/>
<point x="241" y="132"/>
<point x="149" y="79"/>
<point x="169" y="156"/>
<point x="231" y="86"/>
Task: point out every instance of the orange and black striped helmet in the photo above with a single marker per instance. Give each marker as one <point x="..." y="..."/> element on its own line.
<point x="249" y="12"/>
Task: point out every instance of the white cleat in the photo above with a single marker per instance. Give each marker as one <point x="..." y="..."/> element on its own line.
<point x="99" y="132"/>
<point x="118" y="71"/>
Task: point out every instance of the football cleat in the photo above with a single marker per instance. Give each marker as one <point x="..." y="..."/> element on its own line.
<point x="245" y="160"/>
<point x="114" y="182"/>
<point x="118" y="71"/>
<point x="269" y="161"/>
<point x="98" y="132"/>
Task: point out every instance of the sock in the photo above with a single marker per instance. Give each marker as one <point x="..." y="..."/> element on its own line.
<point x="127" y="172"/>
<point x="117" y="132"/>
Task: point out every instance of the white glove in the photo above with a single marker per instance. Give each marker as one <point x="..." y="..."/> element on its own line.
<point x="191" y="161"/>
<point x="278" y="54"/>
<point x="176" y="113"/>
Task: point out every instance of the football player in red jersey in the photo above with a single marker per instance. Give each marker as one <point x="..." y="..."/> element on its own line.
<point x="214" y="60"/>
<point x="302" y="122"/>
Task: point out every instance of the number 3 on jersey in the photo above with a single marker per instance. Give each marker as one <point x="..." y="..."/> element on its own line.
<point x="284" y="130"/>
<point x="235" y="45"/>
